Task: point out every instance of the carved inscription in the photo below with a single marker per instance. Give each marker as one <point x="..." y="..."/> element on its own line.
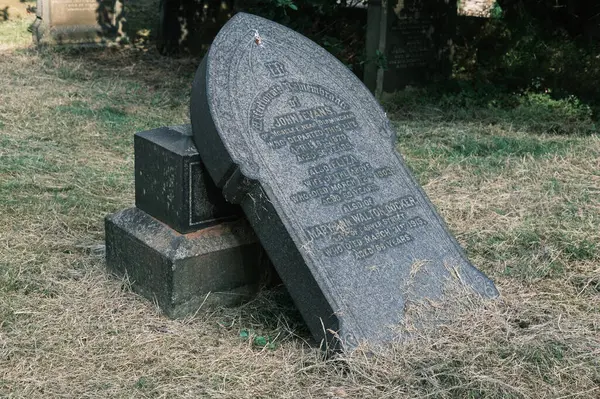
<point x="74" y="12"/>
<point x="415" y="48"/>
<point x="367" y="227"/>
<point x="322" y="137"/>
<point x="309" y="134"/>
<point x="276" y="69"/>
<point x="294" y="102"/>
<point x="341" y="179"/>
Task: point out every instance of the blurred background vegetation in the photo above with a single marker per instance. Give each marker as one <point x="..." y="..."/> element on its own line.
<point x="544" y="53"/>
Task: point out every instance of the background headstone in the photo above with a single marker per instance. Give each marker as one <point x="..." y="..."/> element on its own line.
<point x="290" y="134"/>
<point x="76" y="21"/>
<point x="409" y="42"/>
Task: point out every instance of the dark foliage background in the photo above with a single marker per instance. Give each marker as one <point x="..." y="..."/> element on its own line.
<point x="546" y="47"/>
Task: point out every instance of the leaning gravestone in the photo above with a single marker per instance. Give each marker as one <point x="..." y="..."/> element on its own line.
<point x="290" y="134"/>
<point x="409" y="42"/>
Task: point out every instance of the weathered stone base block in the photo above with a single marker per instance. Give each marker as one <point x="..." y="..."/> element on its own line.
<point x="76" y="34"/>
<point x="222" y="265"/>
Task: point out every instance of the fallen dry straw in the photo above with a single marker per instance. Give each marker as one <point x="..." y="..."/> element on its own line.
<point x="68" y="329"/>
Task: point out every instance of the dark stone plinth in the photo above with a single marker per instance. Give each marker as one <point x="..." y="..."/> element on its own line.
<point x="409" y="43"/>
<point x="172" y="185"/>
<point x="220" y="265"/>
<point x="292" y="135"/>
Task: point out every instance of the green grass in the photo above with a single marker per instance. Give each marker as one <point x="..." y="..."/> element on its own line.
<point x="520" y="195"/>
<point x="489" y="106"/>
<point x="468" y="146"/>
<point x="480" y="148"/>
<point x="15" y="33"/>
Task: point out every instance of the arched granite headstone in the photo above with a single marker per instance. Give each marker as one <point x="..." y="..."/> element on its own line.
<point x="288" y="132"/>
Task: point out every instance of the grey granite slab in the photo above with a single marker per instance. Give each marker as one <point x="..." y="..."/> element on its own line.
<point x="290" y="134"/>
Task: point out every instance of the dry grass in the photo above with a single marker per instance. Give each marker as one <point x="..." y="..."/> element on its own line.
<point x="14" y="21"/>
<point x="526" y="209"/>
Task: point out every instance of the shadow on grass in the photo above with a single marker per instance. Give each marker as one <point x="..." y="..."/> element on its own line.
<point x="119" y="90"/>
<point x="268" y="320"/>
<point x="141" y="63"/>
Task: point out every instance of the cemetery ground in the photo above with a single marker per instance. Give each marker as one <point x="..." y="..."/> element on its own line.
<point x="517" y="180"/>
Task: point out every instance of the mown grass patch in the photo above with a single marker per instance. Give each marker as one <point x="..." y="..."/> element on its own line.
<point x="533" y="255"/>
<point x="467" y="146"/>
<point x="522" y="201"/>
<point x="486" y="150"/>
<point x="534" y="112"/>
